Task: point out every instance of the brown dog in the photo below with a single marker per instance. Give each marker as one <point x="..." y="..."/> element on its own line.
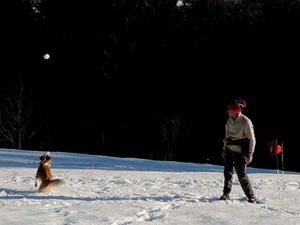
<point x="45" y="176"/>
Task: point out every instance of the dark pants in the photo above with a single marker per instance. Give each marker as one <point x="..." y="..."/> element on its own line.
<point x="236" y="160"/>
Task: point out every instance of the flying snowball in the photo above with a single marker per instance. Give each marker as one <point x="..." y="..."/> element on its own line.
<point x="179" y="4"/>
<point x="46" y="56"/>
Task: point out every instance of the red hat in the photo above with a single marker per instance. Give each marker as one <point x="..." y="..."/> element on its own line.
<point x="237" y="105"/>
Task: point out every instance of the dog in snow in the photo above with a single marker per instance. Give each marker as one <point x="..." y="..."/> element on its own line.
<point x="44" y="174"/>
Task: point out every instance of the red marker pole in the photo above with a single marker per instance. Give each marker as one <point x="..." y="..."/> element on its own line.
<point x="282" y="167"/>
<point x="277" y="164"/>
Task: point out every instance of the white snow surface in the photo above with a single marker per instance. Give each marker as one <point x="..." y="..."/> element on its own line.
<point x="125" y="191"/>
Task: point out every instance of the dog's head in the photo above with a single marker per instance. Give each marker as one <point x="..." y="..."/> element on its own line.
<point x="45" y="158"/>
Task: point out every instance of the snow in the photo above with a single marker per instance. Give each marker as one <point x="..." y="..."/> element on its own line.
<point x="119" y="191"/>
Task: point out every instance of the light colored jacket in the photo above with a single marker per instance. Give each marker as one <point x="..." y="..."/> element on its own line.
<point x="240" y="128"/>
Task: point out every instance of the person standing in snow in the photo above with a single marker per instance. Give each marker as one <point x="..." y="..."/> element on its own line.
<point x="238" y="149"/>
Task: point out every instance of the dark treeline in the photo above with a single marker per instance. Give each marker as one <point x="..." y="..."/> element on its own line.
<point x="150" y="79"/>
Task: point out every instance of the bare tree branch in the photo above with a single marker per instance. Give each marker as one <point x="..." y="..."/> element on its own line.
<point x="15" y="116"/>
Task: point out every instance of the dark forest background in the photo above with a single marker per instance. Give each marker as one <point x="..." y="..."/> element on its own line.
<point x="149" y="78"/>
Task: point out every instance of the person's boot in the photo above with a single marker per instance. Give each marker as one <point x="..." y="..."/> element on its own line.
<point x="253" y="200"/>
<point x="224" y="197"/>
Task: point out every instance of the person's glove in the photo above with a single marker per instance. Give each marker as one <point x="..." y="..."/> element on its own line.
<point x="227" y="141"/>
<point x="248" y="158"/>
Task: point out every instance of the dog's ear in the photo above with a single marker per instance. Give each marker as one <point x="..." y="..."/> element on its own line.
<point x="47" y="155"/>
<point x="42" y="157"/>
